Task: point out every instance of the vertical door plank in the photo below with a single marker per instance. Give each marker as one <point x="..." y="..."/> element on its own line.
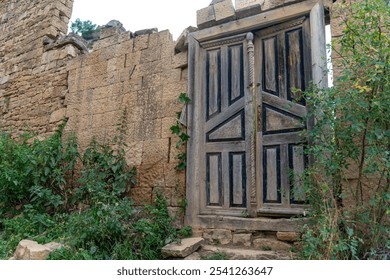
<point x="214" y="180"/>
<point x="270" y="67"/>
<point x="236" y="73"/>
<point x="297" y="165"/>
<point x="237" y="179"/>
<point x="272" y="174"/>
<point x="213" y="69"/>
<point x="295" y="64"/>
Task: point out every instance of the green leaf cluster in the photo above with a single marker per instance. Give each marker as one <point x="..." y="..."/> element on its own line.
<point x="180" y="131"/>
<point x="84" y="28"/>
<point x="49" y="191"/>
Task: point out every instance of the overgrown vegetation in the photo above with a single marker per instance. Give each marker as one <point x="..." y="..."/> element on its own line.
<point x="51" y="192"/>
<point x="84" y="28"/>
<point x="348" y="184"/>
<point x="180" y="131"/>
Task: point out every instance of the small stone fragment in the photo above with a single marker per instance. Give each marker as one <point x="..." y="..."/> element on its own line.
<point x="31" y="250"/>
<point x="290" y="236"/>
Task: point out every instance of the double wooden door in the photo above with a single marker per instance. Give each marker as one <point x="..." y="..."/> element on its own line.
<point x="250" y="121"/>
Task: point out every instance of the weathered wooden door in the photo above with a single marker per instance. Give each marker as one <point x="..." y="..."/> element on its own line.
<point x="224" y="125"/>
<point x="247" y="152"/>
<point x="283" y="69"/>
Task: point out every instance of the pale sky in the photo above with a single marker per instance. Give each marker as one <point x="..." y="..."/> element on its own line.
<point x="175" y="15"/>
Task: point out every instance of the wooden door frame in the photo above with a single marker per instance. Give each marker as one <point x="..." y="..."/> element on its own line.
<point x="313" y="8"/>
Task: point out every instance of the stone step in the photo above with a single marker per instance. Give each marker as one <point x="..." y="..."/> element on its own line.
<point x="243" y="247"/>
<point x="279" y="241"/>
<point x="234" y="253"/>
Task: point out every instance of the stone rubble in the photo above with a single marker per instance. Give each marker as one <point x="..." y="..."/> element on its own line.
<point x="31" y="250"/>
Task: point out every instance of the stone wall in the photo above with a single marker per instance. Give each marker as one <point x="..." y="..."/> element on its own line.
<point x="46" y="75"/>
<point x="33" y="81"/>
<point x="144" y="76"/>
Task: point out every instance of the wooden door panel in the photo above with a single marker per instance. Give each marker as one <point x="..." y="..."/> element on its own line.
<point x="295" y="63"/>
<point x="232" y="129"/>
<point x="287" y="106"/>
<point x="298" y="161"/>
<point x="270" y="66"/>
<point x="221" y="118"/>
<point x="213" y="83"/>
<point x="236" y="73"/>
<point x="225" y="125"/>
<point x="281" y="65"/>
<point x="276" y="120"/>
<point x="271" y="174"/>
<point x="237" y="179"/>
<point x="283" y="138"/>
<point x="214" y="190"/>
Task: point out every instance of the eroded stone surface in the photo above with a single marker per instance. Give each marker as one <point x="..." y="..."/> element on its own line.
<point x="270" y="244"/>
<point x="183" y="249"/>
<point x="194" y="256"/>
<point x="242" y="4"/>
<point x="271" y="4"/>
<point x="290" y="236"/>
<point x="243" y="254"/>
<point x="31" y="250"/>
<point x="182" y="41"/>
<point x="246" y="8"/>
<point x="242" y="239"/>
<point x="218" y="236"/>
<point x="205" y="17"/>
<point x="224" y="11"/>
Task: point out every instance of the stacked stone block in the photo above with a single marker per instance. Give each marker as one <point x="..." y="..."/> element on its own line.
<point x="144" y="76"/>
<point x="43" y="80"/>
<point x="33" y="82"/>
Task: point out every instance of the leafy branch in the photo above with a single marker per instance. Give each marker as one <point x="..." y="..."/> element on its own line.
<point x="180" y="131"/>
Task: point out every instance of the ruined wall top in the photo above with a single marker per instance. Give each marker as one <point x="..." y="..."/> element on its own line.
<point x="55" y="13"/>
<point x="222" y="11"/>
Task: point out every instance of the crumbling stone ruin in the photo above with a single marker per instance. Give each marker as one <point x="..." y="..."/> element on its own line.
<point x="47" y="74"/>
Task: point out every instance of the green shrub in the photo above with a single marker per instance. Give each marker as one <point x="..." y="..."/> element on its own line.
<point x="84" y="28"/>
<point x="50" y="192"/>
<point x="349" y="219"/>
<point x="36" y="172"/>
<point x="154" y="229"/>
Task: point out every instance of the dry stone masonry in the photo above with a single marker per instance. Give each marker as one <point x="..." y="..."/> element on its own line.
<point x="46" y="75"/>
<point x="33" y="81"/>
